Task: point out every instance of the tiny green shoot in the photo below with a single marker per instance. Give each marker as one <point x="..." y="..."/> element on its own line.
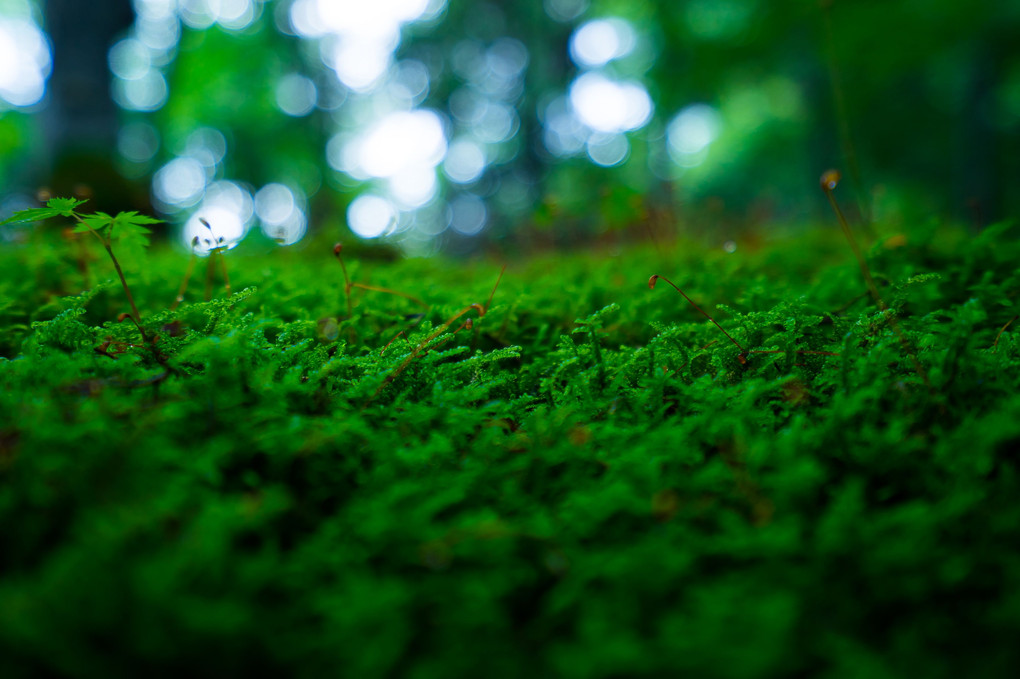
<point x="127" y="229"/>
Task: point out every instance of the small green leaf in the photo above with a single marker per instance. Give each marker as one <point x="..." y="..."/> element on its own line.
<point x="64" y="206"/>
<point x="128" y="225"/>
<point x="594" y="321"/>
<point x="98" y="221"/>
<point x="35" y="214"/>
<point x="135" y="219"/>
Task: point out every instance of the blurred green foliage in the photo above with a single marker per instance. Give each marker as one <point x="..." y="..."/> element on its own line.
<point x="917" y="102"/>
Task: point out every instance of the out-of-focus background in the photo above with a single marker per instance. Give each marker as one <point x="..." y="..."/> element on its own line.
<point x="459" y="125"/>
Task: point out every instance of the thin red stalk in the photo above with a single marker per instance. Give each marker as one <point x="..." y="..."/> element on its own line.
<point x="135" y="316"/>
<point x="337" y="250"/>
<point x="493" y="293"/>
<point x="392" y="340"/>
<point x="829" y="181"/>
<point x="389" y="291"/>
<point x="995" y="346"/>
<point x="210" y="275"/>
<point x="656" y="277"/>
<point x="843" y="119"/>
<point x="223" y="267"/>
<point x="742" y="357"/>
<point x="184" y="283"/>
<point x="422" y="345"/>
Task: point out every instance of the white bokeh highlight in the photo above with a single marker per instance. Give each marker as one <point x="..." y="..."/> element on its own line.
<point x="296" y="95"/>
<point x="690" y="133"/>
<point x="607" y="105"/>
<point x="25" y="62"/>
<point x="465" y="161"/>
<point x="228" y="209"/>
<point x="371" y="216"/>
<point x="179" y="184"/>
<point x="280" y="213"/>
<point x="600" y="41"/>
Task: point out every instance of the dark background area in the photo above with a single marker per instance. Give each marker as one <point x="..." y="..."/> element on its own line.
<point x="918" y="103"/>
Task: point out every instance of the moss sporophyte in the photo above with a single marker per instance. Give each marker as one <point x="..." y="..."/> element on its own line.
<point x="742" y="356"/>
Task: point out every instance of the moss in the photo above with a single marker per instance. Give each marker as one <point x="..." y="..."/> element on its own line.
<point x="590" y="480"/>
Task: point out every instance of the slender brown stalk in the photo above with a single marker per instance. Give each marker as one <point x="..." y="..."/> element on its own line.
<point x="215" y="252"/>
<point x="184" y="283"/>
<point x="223" y="267"/>
<point x="744" y="353"/>
<point x="828" y="182"/>
<point x="656" y="277"/>
<point x="376" y="288"/>
<point x="493" y="293"/>
<point x="421" y="347"/>
<point x="392" y="340"/>
<point x="842" y="117"/>
<point x="995" y="346"/>
<point x="338" y="253"/>
<point x="210" y="275"/>
<point x="135" y="316"/>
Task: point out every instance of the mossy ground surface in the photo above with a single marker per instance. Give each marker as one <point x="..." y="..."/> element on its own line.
<point x="588" y="482"/>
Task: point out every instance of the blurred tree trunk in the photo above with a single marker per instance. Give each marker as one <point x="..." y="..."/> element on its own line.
<point x="81" y="120"/>
<point x="978" y="176"/>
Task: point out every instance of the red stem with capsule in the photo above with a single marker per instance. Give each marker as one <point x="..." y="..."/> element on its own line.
<point x="829" y="181"/>
<point x="423" y="345"/>
<point x="995" y="346"/>
<point x="350" y="285"/>
<point x="742" y="356"/>
<point x="418" y="350"/>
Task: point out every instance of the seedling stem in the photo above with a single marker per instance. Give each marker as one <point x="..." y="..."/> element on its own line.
<point x="135" y="316"/>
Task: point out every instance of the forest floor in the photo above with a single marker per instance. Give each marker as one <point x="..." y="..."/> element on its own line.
<point x="569" y="474"/>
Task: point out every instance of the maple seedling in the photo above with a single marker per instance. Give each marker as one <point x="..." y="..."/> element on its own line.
<point x="127" y="229"/>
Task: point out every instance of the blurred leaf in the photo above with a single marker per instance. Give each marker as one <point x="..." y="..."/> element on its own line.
<point x="64" y="206"/>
